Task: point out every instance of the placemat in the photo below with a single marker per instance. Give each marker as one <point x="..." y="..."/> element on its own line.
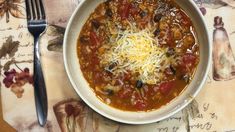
<point x="212" y="110"/>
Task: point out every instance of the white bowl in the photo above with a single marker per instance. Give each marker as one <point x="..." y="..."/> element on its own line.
<point x="72" y="66"/>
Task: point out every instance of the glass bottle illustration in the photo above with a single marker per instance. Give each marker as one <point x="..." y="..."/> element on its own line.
<point x="200" y="6"/>
<point x="223" y="58"/>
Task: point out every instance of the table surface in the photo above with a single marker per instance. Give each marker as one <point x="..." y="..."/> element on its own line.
<point x="211" y="109"/>
<point x="3" y="125"/>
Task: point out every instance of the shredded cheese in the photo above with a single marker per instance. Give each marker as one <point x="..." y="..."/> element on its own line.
<point x="137" y="52"/>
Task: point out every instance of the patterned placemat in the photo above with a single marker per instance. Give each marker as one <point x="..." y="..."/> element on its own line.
<point x="212" y="110"/>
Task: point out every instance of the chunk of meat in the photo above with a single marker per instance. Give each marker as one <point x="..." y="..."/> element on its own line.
<point x="177" y="33"/>
<point x="163" y="25"/>
<point x="189" y="40"/>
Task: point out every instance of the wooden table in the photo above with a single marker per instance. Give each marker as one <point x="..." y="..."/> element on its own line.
<point x="3" y="125"/>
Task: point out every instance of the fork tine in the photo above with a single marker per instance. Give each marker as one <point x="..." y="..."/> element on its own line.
<point x="41" y="9"/>
<point x="35" y="12"/>
<point x="29" y="10"/>
<point x="38" y="7"/>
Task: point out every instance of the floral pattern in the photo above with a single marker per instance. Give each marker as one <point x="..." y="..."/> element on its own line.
<point x="11" y="7"/>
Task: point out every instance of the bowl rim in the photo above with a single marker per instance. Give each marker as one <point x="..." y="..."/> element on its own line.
<point x="139" y="122"/>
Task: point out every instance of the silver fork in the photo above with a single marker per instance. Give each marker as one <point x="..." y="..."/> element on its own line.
<point x="36" y="20"/>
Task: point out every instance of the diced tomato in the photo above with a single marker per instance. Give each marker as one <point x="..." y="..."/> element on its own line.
<point x="137" y="101"/>
<point x="136" y="95"/>
<point x="150" y="91"/>
<point x="94" y="39"/>
<point x="97" y="77"/>
<point x="189" y="59"/>
<point x="134" y="10"/>
<point x="140" y="105"/>
<point x="166" y="87"/>
<point x="142" y="23"/>
<point x="183" y="69"/>
<point x="188" y="62"/>
<point x="127" y="76"/>
<point x="124" y="10"/>
<point x="170" y="40"/>
<point x="125" y="93"/>
<point x="185" y="19"/>
<point x="95" y="60"/>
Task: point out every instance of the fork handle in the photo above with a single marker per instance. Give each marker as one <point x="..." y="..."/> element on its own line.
<point x="40" y="93"/>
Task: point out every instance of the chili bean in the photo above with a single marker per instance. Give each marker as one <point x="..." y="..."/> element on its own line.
<point x="110" y="88"/>
<point x="84" y="39"/>
<point x="186" y="78"/>
<point x="112" y="66"/>
<point x="95" y="24"/>
<point x="139" y="84"/>
<point x="107" y="2"/>
<point x="157" y="17"/>
<point x="156" y="32"/>
<point x="170" y="70"/>
<point x="173" y="70"/>
<point x="143" y="14"/>
<point x="171" y="5"/>
<point x="170" y="52"/>
<point x="109" y="12"/>
<point x="109" y="91"/>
